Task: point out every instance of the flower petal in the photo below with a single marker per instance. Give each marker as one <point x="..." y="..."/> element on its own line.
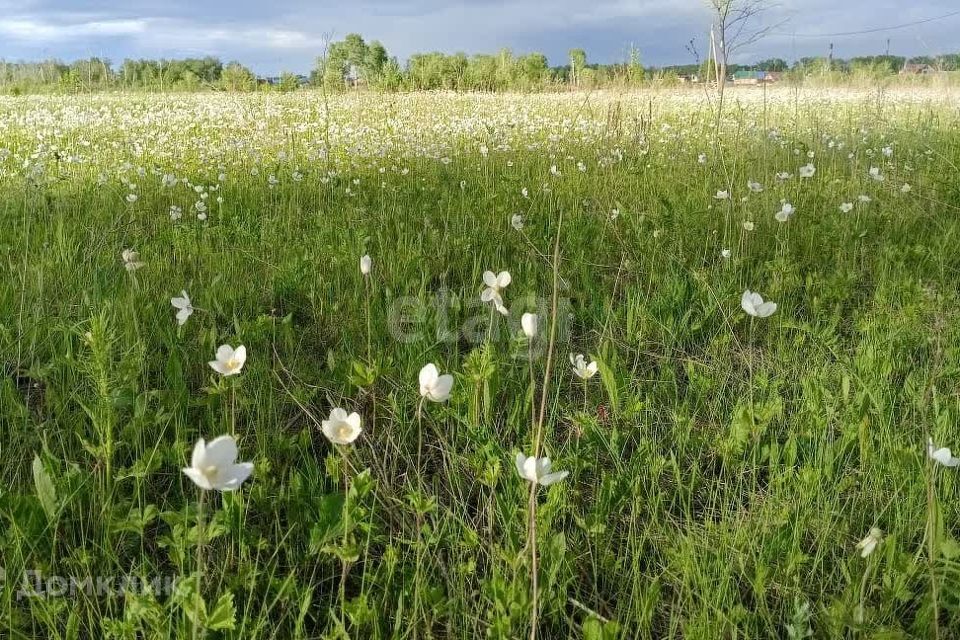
<point x="354" y="420"/>
<point x="221" y="452"/>
<point x="520" y="461"/>
<point x="442" y="387"/>
<point x="219" y="367"/>
<point x="199" y="454"/>
<point x="766" y="309"/>
<point x="224" y="352"/>
<point x="198" y="478"/>
<point x="238" y="473"/>
<point x="552" y="478"/>
<point x="428" y="375"/>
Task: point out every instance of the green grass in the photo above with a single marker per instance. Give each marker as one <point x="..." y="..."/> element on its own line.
<point x="722" y="469"/>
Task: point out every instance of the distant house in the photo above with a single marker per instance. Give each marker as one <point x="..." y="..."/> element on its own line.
<point x="692" y="78"/>
<point x="912" y="69"/>
<point x="744" y="77"/>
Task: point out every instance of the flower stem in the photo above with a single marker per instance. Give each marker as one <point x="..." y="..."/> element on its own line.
<point x="419" y="435"/>
<point x="533" y="393"/>
<point x="932" y="546"/>
<point x="233" y="409"/>
<point x="750" y="370"/>
<point x="198" y="599"/>
<point x="493" y="310"/>
<point x="534" y="562"/>
<point x="369" y="349"/>
<point x="346" y="531"/>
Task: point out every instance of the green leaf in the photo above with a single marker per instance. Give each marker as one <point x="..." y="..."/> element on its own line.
<point x="950" y="548"/>
<point x="186" y="598"/>
<point x="594" y="629"/>
<point x="606" y="365"/>
<point x="347" y="551"/>
<point x="328" y="524"/>
<point x="223" y="616"/>
<point x="46" y="492"/>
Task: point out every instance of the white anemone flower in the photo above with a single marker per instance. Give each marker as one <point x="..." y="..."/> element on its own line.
<point x="538" y="470"/>
<point x="875" y="174"/>
<point x="846" y="207"/>
<point x="517" y="222"/>
<point x="869" y="543"/>
<point x="495" y="283"/>
<point x="943" y="455"/>
<point x="229" y="360"/>
<point x="755" y="187"/>
<point x="754" y="305"/>
<point x="214" y="465"/>
<point x="581" y="368"/>
<point x="433" y="386"/>
<point x="722" y="195"/>
<point x="725" y="253"/>
<point x="131" y="259"/>
<point x="366" y="263"/>
<point x="341" y="428"/>
<point x="786" y="212"/>
<point x="528" y="322"/>
<point x="184" y="307"/>
<point x="807" y="170"/>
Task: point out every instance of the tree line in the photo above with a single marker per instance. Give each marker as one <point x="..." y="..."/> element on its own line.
<point x="354" y="62"/>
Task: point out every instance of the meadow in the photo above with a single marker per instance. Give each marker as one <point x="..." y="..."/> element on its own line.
<point x="734" y="469"/>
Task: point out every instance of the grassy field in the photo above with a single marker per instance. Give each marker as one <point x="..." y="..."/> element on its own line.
<point x="722" y="466"/>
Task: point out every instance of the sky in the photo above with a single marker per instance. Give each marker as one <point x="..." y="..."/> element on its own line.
<point x="287" y="35"/>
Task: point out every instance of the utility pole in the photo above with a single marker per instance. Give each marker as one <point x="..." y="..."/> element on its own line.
<point x="888" y="46"/>
<point x="830" y="57"/>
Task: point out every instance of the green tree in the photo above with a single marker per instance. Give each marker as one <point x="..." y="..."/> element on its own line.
<point x="578" y="62"/>
<point x="634" y="68"/>
<point x="534" y="70"/>
<point x="288" y="82"/>
<point x="237" y="77"/>
<point x="351" y="61"/>
<point x="772" y="64"/>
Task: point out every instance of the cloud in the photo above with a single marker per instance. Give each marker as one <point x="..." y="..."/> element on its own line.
<point x="288" y="34"/>
<point x="31" y="29"/>
<point x="178" y="34"/>
<point x="156" y="35"/>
